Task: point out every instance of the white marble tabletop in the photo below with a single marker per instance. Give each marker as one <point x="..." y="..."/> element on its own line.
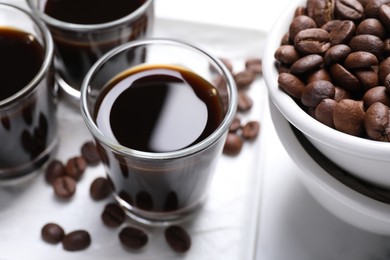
<point x="289" y="223"/>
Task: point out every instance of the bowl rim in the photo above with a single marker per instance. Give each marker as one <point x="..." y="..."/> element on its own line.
<point x="328" y="136"/>
<point x="350" y="199"/>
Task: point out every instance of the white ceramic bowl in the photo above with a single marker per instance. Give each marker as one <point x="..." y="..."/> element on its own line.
<point x="320" y="179"/>
<point x="366" y="159"/>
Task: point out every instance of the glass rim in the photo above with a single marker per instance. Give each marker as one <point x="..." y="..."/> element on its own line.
<point x="89" y="27"/>
<point x="202" y="145"/>
<point x="49" y="52"/>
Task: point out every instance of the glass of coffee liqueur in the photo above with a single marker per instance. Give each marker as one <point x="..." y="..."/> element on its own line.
<point x="159" y="125"/>
<point x="84" y="30"/>
<point x="28" y="123"/>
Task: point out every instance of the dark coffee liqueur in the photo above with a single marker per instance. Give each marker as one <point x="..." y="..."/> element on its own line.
<point x="90" y="11"/>
<point x="21" y="58"/>
<point x="159" y="109"/>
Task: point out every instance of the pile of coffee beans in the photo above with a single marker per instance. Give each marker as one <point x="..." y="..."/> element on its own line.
<point x="334" y="60"/>
<point x="238" y="132"/>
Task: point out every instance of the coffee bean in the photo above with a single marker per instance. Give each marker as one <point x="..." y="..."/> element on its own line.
<point x="300" y="23"/>
<point x="384" y="15"/>
<point x="321" y="74"/>
<point x="371" y="26"/>
<point x="52" y="233"/>
<point x="368" y="78"/>
<point x="54" y="170"/>
<point x="306" y="64"/>
<point x="377" y="123"/>
<point x="64" y="187"/>
<point x="254" y="65"/>
<point x="143" y="200"/>
<point x="233" y="144"/>
<point x="177" y="238"/>
<point x="113" y="215"/>
<point x="348" y="116"/>
<point x="250" y="130"/>
<point x="387" y="83"/>
<point x="236" y="125"/>
<point x="133" y="237"/>
<point x="320" y="11"/>
<point x="336" y="54"/>
<point x="244" y="103"/>
<point x="291" y="84"/>
<point x="376" y="94"/>
<point x="324" y="111"/>
<point x="312" y="41"/>
<point x="286" y="54"/>
<point x="342" y="33"/>
<point x="343" y="77"/>
<point x="368" y="43"/>
<point x="100" y="189"/>
<point x="90" y="153"/>
<point x="75" y="167"/>
<point x="76" y="240"/>
<point x="360" y="60"/>
<point x="316" y="91"/>
<point x="349" y="10"/>
<point x="244" y="78"/>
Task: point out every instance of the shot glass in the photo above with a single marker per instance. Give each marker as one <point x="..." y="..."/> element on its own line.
<point x="84" y="30"/>
<point x="28" y="123"/>
<point x="169" y="179"/>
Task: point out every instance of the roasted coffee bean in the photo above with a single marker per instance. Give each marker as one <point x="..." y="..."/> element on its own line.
<point x="244" y="79"/>
<point x="348" y="116"/>
<point x="143" y="200"/>
<point x="250" y="130"/>
<point x="376" y="94"/>
<point x="316" y="91"/>
<point x="371" y="26"/>
<point x="384" y="15"/>
<point x="52" y="233"/>
<point x="113" y="215"/>
<point x="321" y="11"/>
<point x="360" y="60"/>
<point x="64" y="187"/>
<point x="372" y="8"/>
<point x="133" y="238"/>
<point x="330" y="25"/>
<point x="312" y="41"/>
<point x="342" y="33"/>
<point x="76" y="240"/>
<point x="368" y="43"/>
<point x="244" y="102"/>
<point x="54" y="170"/>
<point x="100" y="189"/>
<point x="336" y="54"/>
<point x="286" y="54"/>
<point x="178" y="239"/>
<point x="300" y="23"/>
<point x="171" y="202"/>
<point x="300" y="10"/>
<point x="75" y="167"/>
<point x="291" y="84"/>
<point x="254" y="65"/>
<point x="321" y="74"/>
<point x="324" y="111"/>
<point x="233" y="144"/>
<point x="384" y="70"/>
<point x="342" y="77"/>
<point x="386" y="47"/>
<point x="377" y="122"/>
<point x="349" y="10"/>
<point x="387" y="83"/>
<point x="368" y="78"/>
<point x="340" y="94"/>
<point x="90" y="153"/>
<point x="306" y="64"/>
<point x="236" y="125"/>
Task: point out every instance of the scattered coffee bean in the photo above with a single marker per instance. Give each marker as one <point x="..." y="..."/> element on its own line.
<point x="245" y="102"/>
<point x="133" y="238"/>
<point x="54" y="170"/>
<point x="75" y="167"/>
<point x="100" y="188"/>
<point x="236" y="125"/>
<point x="76" y="240"/>
<point x="233" y="144"/>
<point x="113" y="215"/>
<point x="255" y="65"/>
<point x="64" y="187"/>
<point x="90" y="153"/>
<point x="52" y="233"/>
<point x="244" y="78"/>
<point x="250" y="130"/>
<point x="178" y="239"/>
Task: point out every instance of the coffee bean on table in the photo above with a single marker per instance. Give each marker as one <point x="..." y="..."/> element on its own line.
<point x="52" y="233"/>
<point x="113" y="215"/>
<point x="64" y="186"/>
<point x="76" y="240"/>
<point x="75" y="167"/>
<point x="250" y="130"/>
<point x="132" y="237"/>
<point x="90" y="153"/>
<point x="54" y="170"/>
<point x="100" y="188"/>
<point x="244" y="78"/>
<point x="233" y="144"/>
<point x="255" y="65"/>
<point x="236" y="125"/>
<point x="244" y="102"/>
<point x="177" y="238"/>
